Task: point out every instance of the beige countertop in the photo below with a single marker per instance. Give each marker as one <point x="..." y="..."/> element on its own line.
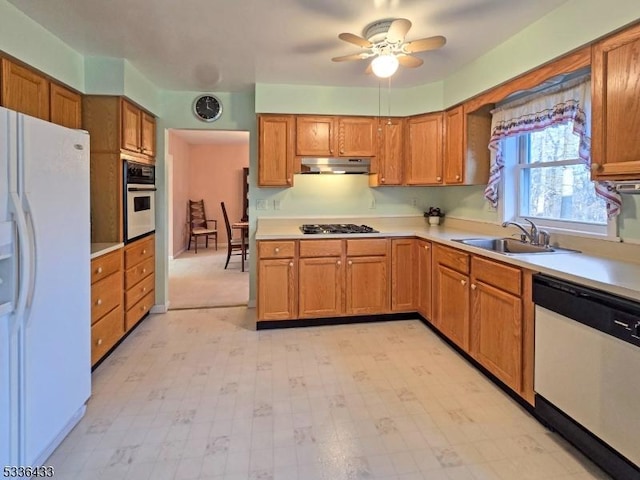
<point x="99" y="249"/>
<point x="615" y="276"/>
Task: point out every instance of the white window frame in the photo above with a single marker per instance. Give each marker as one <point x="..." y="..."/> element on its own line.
<point x="511" y="197"/>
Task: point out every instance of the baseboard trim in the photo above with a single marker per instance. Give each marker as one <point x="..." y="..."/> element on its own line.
<point x="319" y="322"/>
<point x="160" y="308"/>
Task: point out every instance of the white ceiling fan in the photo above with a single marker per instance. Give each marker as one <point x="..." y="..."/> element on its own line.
<point x="384" y="40"/>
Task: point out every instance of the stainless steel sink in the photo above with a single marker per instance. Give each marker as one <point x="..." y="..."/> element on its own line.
<point x="510" y="246"/>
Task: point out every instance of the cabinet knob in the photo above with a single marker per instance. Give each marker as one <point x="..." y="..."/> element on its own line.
<point x="144" y="251"/>
<point x="382" y="180"/>
<point x="439" y="179"/>
<point x="99" y="301"/>
<point x="99" y="342"/>
<point x="99" y="270"/>
<point x="473" y="286"/>
<point x="144" y="270"/>
<point x="463" y="282"/>
<point x="457" y="177"/>
<point x="350" y="262"/>
<point x="143" y="308"/>
<point x="276" y="250"/>
<point x="144" y="289"/>
<point x="426" y="247"/>
<point x="596" y="167"/>
<point x="291" y="264"/>
<point x="341" y="150"/>
<point x="338" y="263"/>
<point x="288" y="181"/>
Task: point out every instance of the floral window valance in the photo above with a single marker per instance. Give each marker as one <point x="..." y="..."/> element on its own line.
<point x="568" y="103"/>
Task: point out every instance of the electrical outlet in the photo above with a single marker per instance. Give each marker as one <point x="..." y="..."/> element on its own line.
<point x="276" y="204"/>
<point x="261" y="205"/>
<point x="414" y="201"/>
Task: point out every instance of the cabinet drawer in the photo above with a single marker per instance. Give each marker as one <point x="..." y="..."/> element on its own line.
<point x="279" y="249"/>
<point x="105" y="295"/>
<point x="452" y="258"/>
<point x="138" y="251"/>
<point x="105" y="333"/>
<point x="105" y="265"/>
<point x="497" y="274"/>
<point x="139" y="310"/>
<point x="320" y="248"/>
<point x="359" y="248"/>
<point x="135" y="293"/>
<point x="140" y="271"/>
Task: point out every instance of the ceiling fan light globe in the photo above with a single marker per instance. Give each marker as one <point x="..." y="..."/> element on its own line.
<point x="384" y="66"/>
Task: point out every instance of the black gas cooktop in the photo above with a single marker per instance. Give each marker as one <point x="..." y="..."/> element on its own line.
<point x="336" y="228"/>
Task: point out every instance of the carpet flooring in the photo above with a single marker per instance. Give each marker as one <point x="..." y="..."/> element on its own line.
<point x="200" y="280"/>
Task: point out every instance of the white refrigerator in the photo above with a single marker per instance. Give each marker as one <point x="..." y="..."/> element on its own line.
<point x="45" y="300"/>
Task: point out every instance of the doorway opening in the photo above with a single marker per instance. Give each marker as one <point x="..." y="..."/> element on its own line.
<point x="209" y="166"/>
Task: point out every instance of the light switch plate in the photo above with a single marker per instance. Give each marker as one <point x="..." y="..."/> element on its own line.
<point x="261" y="205"/>
<point x="276" y="204"/>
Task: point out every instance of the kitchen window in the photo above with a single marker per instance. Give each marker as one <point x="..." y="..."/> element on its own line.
<point x="550" y="184"/>
<point x="540" y="147"/>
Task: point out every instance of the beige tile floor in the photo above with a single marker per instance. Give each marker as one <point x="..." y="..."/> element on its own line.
<point x="196" y="394"/>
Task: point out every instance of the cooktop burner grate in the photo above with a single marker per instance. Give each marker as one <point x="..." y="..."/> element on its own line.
<point x="336" y="228"/>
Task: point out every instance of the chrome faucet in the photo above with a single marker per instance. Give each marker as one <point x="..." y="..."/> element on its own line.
<point x="534" y="235"/>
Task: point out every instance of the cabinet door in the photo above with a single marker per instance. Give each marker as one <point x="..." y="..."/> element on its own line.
<point x="357" y="136"/>
<point x="277" y="292"/>
<point x="367" y="285"/>
<point x="275" y="151"/>
<point x="496" y="332"/>
<point x="315" y="136"/>
<point x="403" y="286"/>
<point x="66" y="107"/>
<point x="391" y="151"/>
<point x="454" y="146"/>
<point x="423" y="150"/>
<point x="148" y="134"/>
<point x="24" y="91"/>
<point x="423" y="291"/>
<point x="451" y="292"/>
<point x="130" y="127"/>
<point x="615" y="73"/>
<point x="320" y="289"/>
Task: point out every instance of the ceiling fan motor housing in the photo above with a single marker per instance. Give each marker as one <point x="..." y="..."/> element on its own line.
<point x="377" y="31"/>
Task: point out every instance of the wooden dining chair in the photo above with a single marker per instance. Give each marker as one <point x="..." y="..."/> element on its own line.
<point x="200" y="225"/>
<point x="233" y="244"/>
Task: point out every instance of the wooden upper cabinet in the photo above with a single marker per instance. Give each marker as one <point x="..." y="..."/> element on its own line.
<point x="275" y="150"/>
<point x="24" y="90"/>
<point x="390" y="151"/>
<point x="66" y="106"/>
<point x="423" y="149"/>
<point x="615" y="73"/>
<point x="315" y="136"/>
<point x="357" y="136"/>
<point x="130" y="127"/>
<point x="148" y="134"/>
<point x="454" y="146"/>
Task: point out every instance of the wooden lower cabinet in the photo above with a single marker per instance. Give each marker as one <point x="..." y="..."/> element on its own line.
<point x="320" y="292"/>
<point x="367" y="285"/>
<point x="424" y="279"/>
<point x="107" y="322"/>
<point x="277" y="292"/>
<point x="139" y="262"/>
<point x="451" y="292"/>
<point x="496" y="332"/>
<point x="403" y="275"/>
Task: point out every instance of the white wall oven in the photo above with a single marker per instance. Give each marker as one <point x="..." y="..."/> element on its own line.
<point x="139" y="200"/>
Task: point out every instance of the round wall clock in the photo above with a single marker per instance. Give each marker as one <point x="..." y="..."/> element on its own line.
<point x="207" y="107"/>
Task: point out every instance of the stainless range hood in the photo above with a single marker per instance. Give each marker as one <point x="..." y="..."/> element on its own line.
<point x="334" y="165"/>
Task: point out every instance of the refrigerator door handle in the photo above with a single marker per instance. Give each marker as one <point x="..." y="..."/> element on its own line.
<point x="24" y="257"/>
<point x="31" y="241"/>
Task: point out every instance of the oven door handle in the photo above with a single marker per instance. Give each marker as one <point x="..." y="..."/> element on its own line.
<point x="140" y="189"/>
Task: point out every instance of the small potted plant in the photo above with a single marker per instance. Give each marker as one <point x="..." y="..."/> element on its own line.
<point x="433" y="215"/>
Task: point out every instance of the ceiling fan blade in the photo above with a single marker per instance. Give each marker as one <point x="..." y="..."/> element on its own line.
<point x="398" y="30"/>
<point x="409" y="61"/>
<point x="424" y="44"/>
<point x="355" y="39"/>
<point x="353" y="56"/>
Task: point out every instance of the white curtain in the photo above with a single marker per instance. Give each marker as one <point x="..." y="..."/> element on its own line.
<point x="570" y="102"/>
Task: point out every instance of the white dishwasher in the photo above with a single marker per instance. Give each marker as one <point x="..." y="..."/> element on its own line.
<point x="587" y="371"/>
